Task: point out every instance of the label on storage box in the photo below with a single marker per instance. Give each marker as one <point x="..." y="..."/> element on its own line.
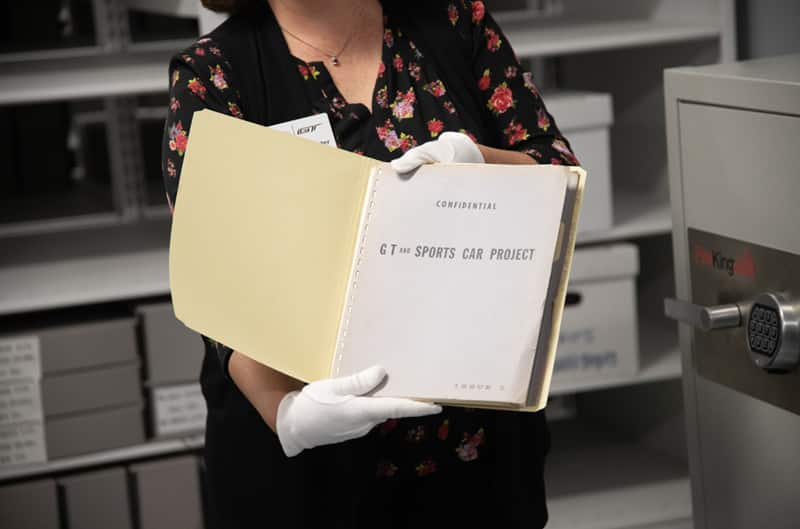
<point x="22" y="443"/>
<point x="178" y="409"/>
<point x="22" y="438"/>
<point x="589" y="361"/>
<point x="20" y="401"/>
<point x="20" y="359"/>
<point x="585" y="362"/>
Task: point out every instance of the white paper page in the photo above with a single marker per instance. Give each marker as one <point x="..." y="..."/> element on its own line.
<point x="451" y="278"/>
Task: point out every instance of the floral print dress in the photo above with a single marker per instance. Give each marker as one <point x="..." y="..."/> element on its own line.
<point x="411" y="105"/>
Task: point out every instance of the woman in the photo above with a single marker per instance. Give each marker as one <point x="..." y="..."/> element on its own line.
<point x="410" y="82"/>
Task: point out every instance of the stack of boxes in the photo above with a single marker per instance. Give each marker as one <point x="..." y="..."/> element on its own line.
<point x="599" y="337"/>
<point x="585" y="118"/>
<point x="78" y="387"/>
<point x="68" y="389"/>
<point x="91" y="394"/>
<point x="79" y="391"/>
<point x="162" y="494"/>
<point x="173" y="357"/>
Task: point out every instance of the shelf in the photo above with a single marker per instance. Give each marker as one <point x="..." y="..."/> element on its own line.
<point x="89" y="266"/>
<point x="665" y="365"/>
<point x="51" y="54"/>
<point x="655" y="366"/>
<point x="621" y="483"/>
<point x="635" y="216"/>
<point x="119" y="455"/>
<point x="126" y="74"/>
<point x="127" y="274"/>
<point x="177" y="8"/>
<point x="83" y="281"/>
<point x="88" y="77"/>
<point x="659" y="360"/>
<point x="635" y="506"/>
<point x="532" y="38"/>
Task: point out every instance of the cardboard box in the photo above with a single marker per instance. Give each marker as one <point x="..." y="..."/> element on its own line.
<point x="584" y="118"/>
<point x="599" y="335"/>
<point x="168" y="493"/>
<point x="84" y="345"/>
<point x="177" y="410"/>
<point x="173" y="353"/>
<point x="32" y="505"/>
<point x="84" y="391"/>
<point x="73" y="435"/>
<point x="97" y="500"/>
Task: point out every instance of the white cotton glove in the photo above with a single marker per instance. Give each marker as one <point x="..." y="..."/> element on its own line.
<point x="333" y="410"/>
<point x="448" y="147"/>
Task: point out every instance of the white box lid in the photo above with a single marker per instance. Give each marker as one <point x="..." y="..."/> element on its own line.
<point x="605" y="262"/>
<point x="579" y="110"/>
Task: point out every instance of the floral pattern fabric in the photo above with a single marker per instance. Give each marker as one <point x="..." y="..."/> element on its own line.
<point x="410" y="105"/>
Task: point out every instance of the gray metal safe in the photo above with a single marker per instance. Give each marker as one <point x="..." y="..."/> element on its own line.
<point x="734" y="162"/>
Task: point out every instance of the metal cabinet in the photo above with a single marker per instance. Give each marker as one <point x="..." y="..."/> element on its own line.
<point x="734" y="158"/>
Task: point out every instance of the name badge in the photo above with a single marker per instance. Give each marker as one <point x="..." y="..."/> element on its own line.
<point x="316" y="127"/>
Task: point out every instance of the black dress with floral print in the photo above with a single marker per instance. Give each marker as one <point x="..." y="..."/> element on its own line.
<point x="411" y="105"/>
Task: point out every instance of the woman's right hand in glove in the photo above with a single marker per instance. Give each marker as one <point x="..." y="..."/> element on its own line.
<point x="335" y="410"/>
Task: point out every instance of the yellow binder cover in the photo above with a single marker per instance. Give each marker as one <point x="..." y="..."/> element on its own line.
<point x="266" y="245"/>
<point x="260" y="256"/>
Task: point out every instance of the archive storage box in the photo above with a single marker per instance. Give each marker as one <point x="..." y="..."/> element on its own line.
<point x="77" y="346"/>
<point x="89" y="366"/>
<point x="93" y="389"/>
<point x="584" y="118"/>
<point x="96" y="500"/>
<point x="72" y="435"/>
<point x="32" y="505"/>
<point x="599" y="337"/>
<point x="172" y="352"/>
<point x="173" y="358"/>
<point x="168" y="494"/>
<point x="83" y="395"/>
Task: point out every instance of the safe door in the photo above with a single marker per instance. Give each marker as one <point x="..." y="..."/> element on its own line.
<point x="734" y="153"/>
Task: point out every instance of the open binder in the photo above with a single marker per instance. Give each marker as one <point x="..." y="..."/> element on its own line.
<point x="319" y="262"/>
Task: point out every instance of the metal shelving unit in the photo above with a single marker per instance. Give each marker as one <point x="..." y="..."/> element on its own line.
<point x="89" y="77"/>
<point x="54" y="284"/>
<point x="178" y="8"/>
<point x="634" y="217"/>
<point x="622" y="481"/>
<point x="125" y="455"/>
<point x="657" y="365"/>
<point x="580" y="36"/>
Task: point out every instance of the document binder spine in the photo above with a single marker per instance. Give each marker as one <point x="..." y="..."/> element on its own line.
<point x="358" y="256"/>
<point x="537" y="400"/>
